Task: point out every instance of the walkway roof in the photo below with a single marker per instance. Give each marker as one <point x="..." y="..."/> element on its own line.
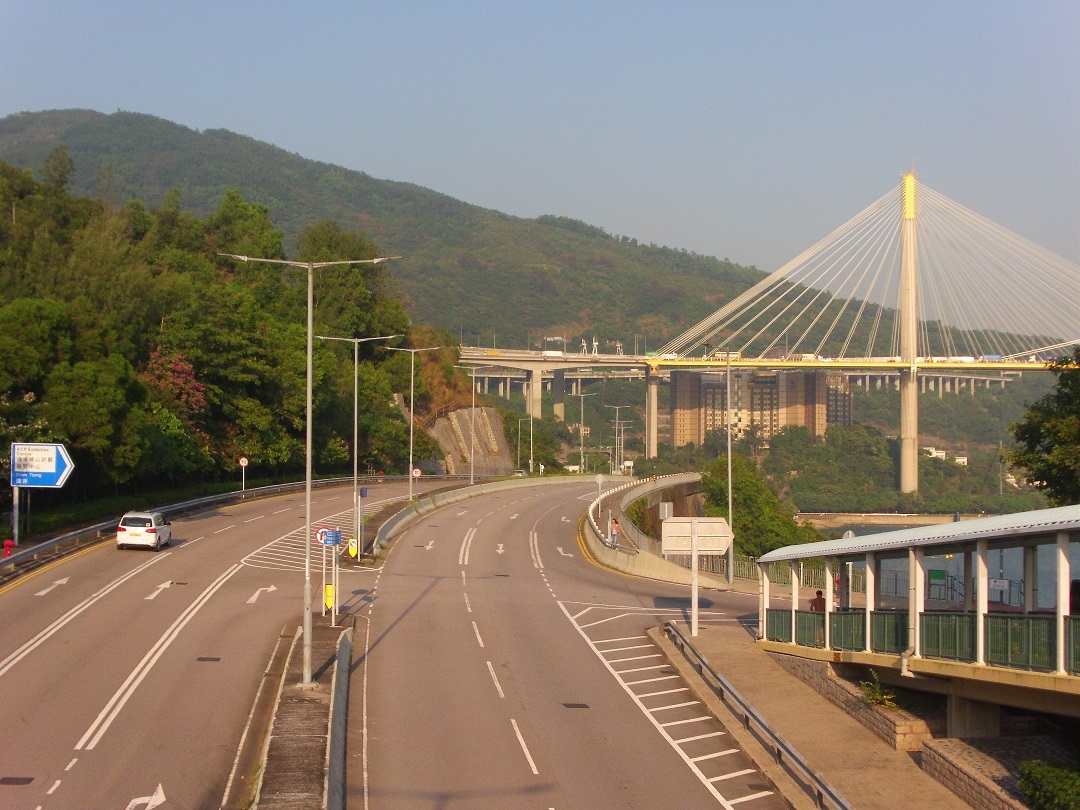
<point x="1041" y="522"/>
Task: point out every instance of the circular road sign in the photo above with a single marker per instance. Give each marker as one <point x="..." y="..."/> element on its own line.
<point x="416" y="472"/>
<point x="243" y="461"/>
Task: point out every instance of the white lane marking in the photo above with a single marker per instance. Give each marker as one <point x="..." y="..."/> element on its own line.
<point x="462" y="577"/>
<point x="564" y="553"/>
<point x="665" y="692"/>
<point x="101" y="724"/>
<point x="45" y="634"/>
<point x="466" y="544"/>
<point x="703" y="737"/>
<point x="534" y="551"/>
<point x="159" y="589"/>
<point x="71" y="764"/>
<point x="514" y="516"/>
<point x="468" y="606"/>
<point x="676" y="706"/>
<point x="494" y="677"/>
<point x="525" y="748"/>
<point x="476" y="630"/>
<point x="499" y="549"/>
<point x="247" y="725"/>
<point x="716" y="754"/>
<point x="651" y="680"/>
<point x="52" y="790"/>
<point x="279" y="511"/>
<point x="430" y="545"/>
<point x="252" y="520"/>
<point x="56" y="584"/>
<point x="634" y="647"/>
<point x="255" y="596"/>
<point x="634" y="658"/>
<point x="751" y="797"/>
<point x="463" y="512"/>
<point x="219" y="531"/>
<point x="732" y="775"/>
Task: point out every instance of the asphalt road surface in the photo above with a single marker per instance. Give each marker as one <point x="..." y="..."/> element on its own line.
<point x="127" y="678"/>
<point x="496" y="667"/>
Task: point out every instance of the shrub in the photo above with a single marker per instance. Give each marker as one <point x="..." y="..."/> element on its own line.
<point x="1050" y="787"/>
<point x="874" y="694"/>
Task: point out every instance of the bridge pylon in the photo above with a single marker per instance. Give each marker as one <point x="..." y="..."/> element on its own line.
<point x="909" y="339"/>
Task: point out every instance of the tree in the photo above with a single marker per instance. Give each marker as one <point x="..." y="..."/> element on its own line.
<point x="1049" y="435"/>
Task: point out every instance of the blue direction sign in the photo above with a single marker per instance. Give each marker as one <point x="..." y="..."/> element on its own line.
<point x="40" y="465"/>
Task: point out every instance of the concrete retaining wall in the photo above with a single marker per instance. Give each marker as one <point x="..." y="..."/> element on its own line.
<point x="900" y="729"/>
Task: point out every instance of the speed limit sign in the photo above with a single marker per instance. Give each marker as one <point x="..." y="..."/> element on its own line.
<point x="243" y="461"/>
<point x="416" y="472"/>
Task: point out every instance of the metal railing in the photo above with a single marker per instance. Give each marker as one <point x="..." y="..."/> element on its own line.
<point x="847" y="630"/>
<point x="1072" y="645"/>
<point x="778" y="625"/>
<point x="1021" y="642"/>
<point x="948" y="635"/>
<point x="819" y="789"/>
<point x="810" y="628"/>
<point x="888" y="631"/>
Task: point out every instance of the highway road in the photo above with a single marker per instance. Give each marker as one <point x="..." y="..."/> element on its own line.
<point x="496" y="667"/>
<point x="127" y="678"/>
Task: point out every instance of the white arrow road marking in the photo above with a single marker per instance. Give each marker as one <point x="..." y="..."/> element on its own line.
<point x="49" y="631"/>
<point x="463" y="512"/>
<point x="430" y="545"/>
<point x="565" y="519"/>
<point x="160" y="588"/>
<point x="255" y="596"/>
<point x="499" y="549"/>
<point x="149" y="802"/>
<point x="565" y="554"/>
<point x="56" y="584"/>
<point x="513" y="516"/>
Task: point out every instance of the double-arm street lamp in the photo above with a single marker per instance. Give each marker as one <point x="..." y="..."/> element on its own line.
<point x="356" y="418"/>
<point x="412" y="389"/>
<point x="311" y="266"/>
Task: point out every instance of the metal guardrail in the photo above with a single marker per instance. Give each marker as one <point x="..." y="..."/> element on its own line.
<point x="819" y="789"/>
<point x="95" y="532"/>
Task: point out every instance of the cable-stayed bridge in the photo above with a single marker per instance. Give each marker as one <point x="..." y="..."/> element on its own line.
<point x="915" y="282"/>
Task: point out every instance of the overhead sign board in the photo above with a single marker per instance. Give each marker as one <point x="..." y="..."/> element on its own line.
<point x="40" y="465"/>
<point x="713" y="535"/>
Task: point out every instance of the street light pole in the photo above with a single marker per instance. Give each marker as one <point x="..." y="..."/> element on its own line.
<point x="581" y="427"/>
<point x="356" y="417"/>
<point x="308" y="441"/>
<point x="412" y="394"/>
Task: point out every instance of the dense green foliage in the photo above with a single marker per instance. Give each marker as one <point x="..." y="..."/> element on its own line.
<point x="1049" y="787"/>
<point x="762" y="521"/>
<point x="126" y="337"/>
<point x="1049" y="435"/>
<point x="481" y="275"/>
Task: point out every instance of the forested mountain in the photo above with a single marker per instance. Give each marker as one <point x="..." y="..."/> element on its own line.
<point x="124" y="335"/>
<point x="473" y="271"/>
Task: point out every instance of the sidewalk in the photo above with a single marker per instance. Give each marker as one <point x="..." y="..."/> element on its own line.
<point x="857" y="763"/>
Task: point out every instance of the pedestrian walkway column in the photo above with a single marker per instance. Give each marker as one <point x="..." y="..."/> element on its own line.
<point x="916" y="601"/>
<point x="870" y="580"/>
<point x="652" y="379"/>
<point x="763" y="600"/>
<point x="1063" y="569"/>
<point x="558" y="393"/>
<point x="796" y="575"/>
<point x="982" y="582"/>
<point x="828" y="601"/>
<point x="1031" y="579"/>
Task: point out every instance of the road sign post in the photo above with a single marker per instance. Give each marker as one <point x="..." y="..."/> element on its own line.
<point x="698" y="535"/>
<point x="243" y="475"/>
<point x="36" y="465"/>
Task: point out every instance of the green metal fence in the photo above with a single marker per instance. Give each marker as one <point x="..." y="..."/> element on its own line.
<point x="1021" y="642"/>
<point x="847" y="630"/>
<point x="1072" y="644"/>
<point x="778" y="625"/>
<point x="888" y="631"/>
<point x="810" y="628"/>
<point x="948" y="635"/>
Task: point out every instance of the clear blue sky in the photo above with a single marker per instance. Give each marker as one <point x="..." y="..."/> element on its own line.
<point x="747" y="130"/>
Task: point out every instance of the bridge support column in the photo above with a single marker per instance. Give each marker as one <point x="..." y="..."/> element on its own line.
<point x="558" y="392"/>
<point x="652" y="380"/>
<point x="972" y="718"/>
<point x="535" y="393"/>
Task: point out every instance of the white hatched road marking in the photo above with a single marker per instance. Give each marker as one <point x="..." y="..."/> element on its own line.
<point x="605" y="648"/>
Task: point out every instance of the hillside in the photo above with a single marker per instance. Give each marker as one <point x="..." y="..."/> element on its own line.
<point x="479" y="274"/>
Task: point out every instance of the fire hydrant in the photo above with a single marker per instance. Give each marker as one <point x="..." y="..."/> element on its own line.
<point x="9" y="544"/>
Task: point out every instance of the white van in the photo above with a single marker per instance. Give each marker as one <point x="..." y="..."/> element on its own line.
<point x="146" y="529"/>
